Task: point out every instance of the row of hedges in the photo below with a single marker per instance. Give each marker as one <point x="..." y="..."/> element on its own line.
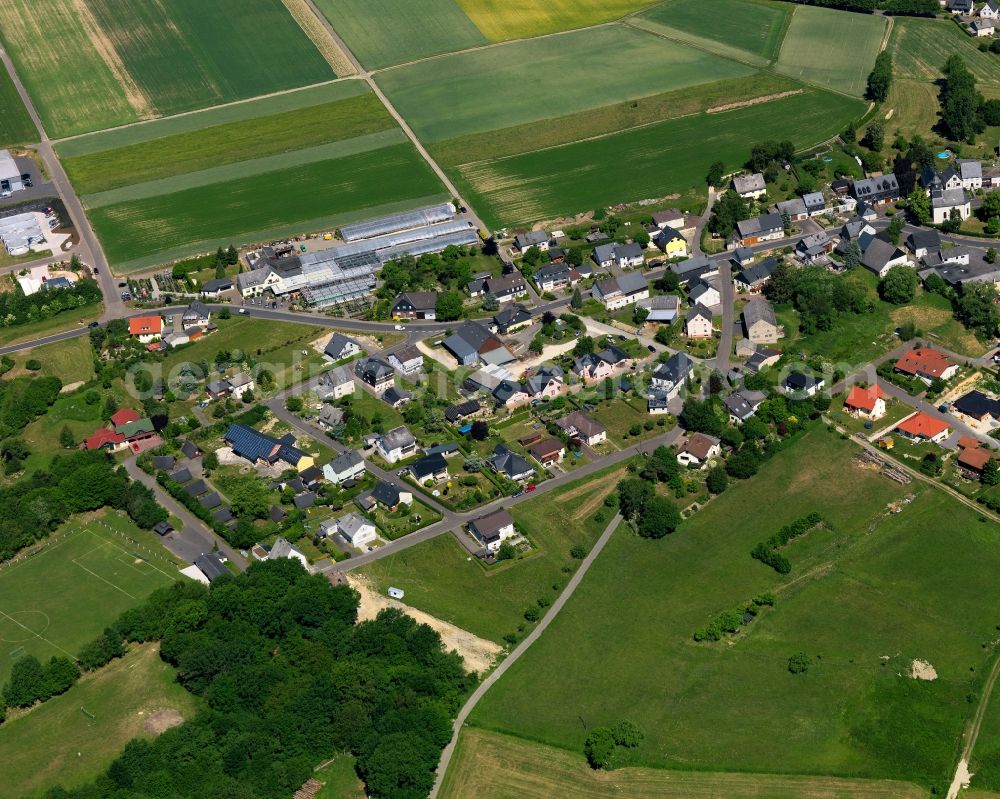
<point x="767" y="551"/>
<point x="729" y="622"/>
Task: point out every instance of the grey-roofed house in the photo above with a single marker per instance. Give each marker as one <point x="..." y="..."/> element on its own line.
<point x="814" y="202"/>
<point x="216" y="286"/>
<point x="882" y="189"/>
<point x="578" y="425"/>
<point x="533" y="238"/>
<point x="795" y="209"/>
<point x="945" y="202"/>
<point x="669" y="377"/>
<point x="506" y="287"/>
<point x="471" y="341"/>
<point x="223" y="515"/>
<point x="277" y="514"/>
<point x="407" y="359"/>
<point x="304" y="500"/>
<point x="211" y="500"/>
<point x="493" y="529"/>
<point x="396" y="445"/>
<point x="702" y="293"/>
<point x="432" y="467"/>
<point x="695" y="268"/>
<point x="340" y="347"/>
<point x="971" y="174"/>
<point x="923" y="241"/>
<point x="396" y="397"/>
<point x="766" y="227"/>
<point x="749" y="186"/>
<point x="511" y="319"/>
<point x="802" y="383"/>
<point x="375" y="372"/>
<point x="389" y="496"/>
<point x="509" y="393"/>
<point x="662" y="308"/>
<point x="762" y="358"/>
<point x="508" y="463"/>
<point x="617" y="292"/>
<point x="211" y="565"/>
<point x="162" y="462"/>
<point x="546" y="382"/>
<point x="355" y="528"/>
<point x="415" y="305"/>
<point x="814" y="247"/>
<point x="196" y="488"/>
<point x="463" y="410"/>
<point x="759" y="322"/>
<point x="752" y="278"/>
<point x="335" y="383"/>
<point x="739" y="409"/>
<point x="554" y="276"/>
<point x="742" y="256"/>
<point x="181" y="476"/>
<point x="197" y="314"/>
<point x="190" y="449"/>
<point x="698" y="322"/>
<point x="881" y="255"/>
<point x="348" y="466"/>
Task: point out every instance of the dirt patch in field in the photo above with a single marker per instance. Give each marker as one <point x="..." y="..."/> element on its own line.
<point x="595" y="491"/>
<point x="163" y="720"/>
<point x="767" y="98"/>
<point x="70" y="387"/>
<point x="478" y="653"/>
<point x="320" y="36"/>
<point x="922" y="670"/>
<point x="106" y="49"/>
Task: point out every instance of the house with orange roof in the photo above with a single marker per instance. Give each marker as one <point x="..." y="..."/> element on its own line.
<point x="924" y="427"/>
<point x="867" y="403"/>
<point x="123" y="416"/>
<point x="973" y="455"/>
<point x="104" y="438"/>
<point x="927" y="364"/>
<point x="145" y="328"/>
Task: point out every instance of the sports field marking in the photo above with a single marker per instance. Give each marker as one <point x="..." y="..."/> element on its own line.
<point x="104" y="579"/>
<point x="39" y="636"/>
<point x="128" y="554"/>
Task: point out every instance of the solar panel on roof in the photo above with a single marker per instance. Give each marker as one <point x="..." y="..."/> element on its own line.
<point x="396" y="222"/>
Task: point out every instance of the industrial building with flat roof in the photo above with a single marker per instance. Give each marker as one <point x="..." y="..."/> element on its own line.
<point x="20" y="233"/>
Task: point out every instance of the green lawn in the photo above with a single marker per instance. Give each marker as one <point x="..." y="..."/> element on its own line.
<point x="16" y="126"/>
<point x="227" y="143"/>
<point x="865" y="597"/>
<point x="307" y="197"/>
<point x="440" y="578"/>
<point x="619" y="415"/>
<point x="814" y="48"/>
<point x="340" y="781"/>
<point x="396" y="525"/>
<point x="71" y="360"/>
<point x="750" y="27"/>
<point x="60" y="599"/>
<point x="669" y="156"/>
<point x="57" y="744"/>
<point x="622" y="64"/>
<point x="385" y="32"/>
<point x="76" y="319"/>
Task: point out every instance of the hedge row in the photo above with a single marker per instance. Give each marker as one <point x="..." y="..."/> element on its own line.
<point x="767" y="551"/>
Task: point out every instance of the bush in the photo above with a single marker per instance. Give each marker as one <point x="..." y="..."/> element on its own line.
<point x="599" y="748"/>
<point x="578" y="552"/>
<point x="799" y="663"/>
<point x="627" y="734"/>
<point x="33" y="364"/>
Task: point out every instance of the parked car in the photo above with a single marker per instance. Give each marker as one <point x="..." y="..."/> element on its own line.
<point x="651" y="348"/>
<point x="398" y="327"/>
<point x="243" y="311"/>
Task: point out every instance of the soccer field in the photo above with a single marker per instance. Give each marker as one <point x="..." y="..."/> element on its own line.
<point x="60" y="599"/>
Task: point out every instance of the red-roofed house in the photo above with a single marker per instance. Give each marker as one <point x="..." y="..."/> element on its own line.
<point x="124" y="416"/>
<point x="927" y="364"/>
<point x="868" y="403"/>
<point x="145" y="328"/>
<point x="968" y="442"/>
<point x="104" y="438"/>
<point x="922" y="427"/>
<point x="973" y="455"/>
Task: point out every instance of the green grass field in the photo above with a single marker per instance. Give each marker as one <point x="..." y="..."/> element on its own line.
<point x="742" y="28"/>
<point x="622" y="63"/>
<point x="439" y="577"/>
<point x="70" y="410"/>
<point x="535" y="771"/>
<point x="340" y="781"/>
<point x="60" y="599"/>
<point x="386" y="32"/>
<point x="56" y="744"/>
<point x="70" y="360"/>
<point x="865" y="598"/>
<point x="651" y="161"/>
<point x="500" y="20"/>
<point x="301" y="198"/>
<point x="228" y="143"/>
<point x="16" y="126"/>
<point x="814" y="48"/>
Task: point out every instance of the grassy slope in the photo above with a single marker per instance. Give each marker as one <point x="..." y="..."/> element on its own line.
<point x="72" y="87"/>
<point x="670" y="156"/>
<point x="814" y="50"/>
<point x="340" y="781"/>
<point x="228" y="143"/>
<point x="535" y="771"/>
<point x="57" y="324"/>
<point x="385" y="32"/>
<point x="754" y="26"/>
<point x="866" y="589"/>
<point x="501" y="20"/>
<point x="622" y="63"/>
<point x="70" y="360"/>
<point x="188" y="220"/>
<point x="56" y="744"/>
<point x="16" y="126"/>
<point x="55" y="596"/>
<point x="189" y="53"/>
<point x="439" y="578"/>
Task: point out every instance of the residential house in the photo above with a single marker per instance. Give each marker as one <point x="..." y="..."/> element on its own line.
<point x="738" y="407"/>
<point x="924" y="427"/>
<point x="814" y="247"/>
<point x="971" y="172"/>
<point x="396" y="445"/>
<point x="533" y="238"/>
<point x="922" y="242"/>
<point x="190" y="450"/>
<point x="669" y="377"/>
<point x="509" y="394"/>
<point x="931" y="179"/>
<point x="407" y="359"/>
<point x="207" y="568"/>
<point x="761" y="359"/>
<point x="340" y="347"/>
<point x="673" y="244"/>
<point x="396" y="397"/>
<point x="257" y="281"/>
<point x="548" y="451"/>
<point x="877" y="191"/>
<point x="662" y="308"/>
<point x="990" y="10"/>
<point x="973" y="455"/>
<point x="657" y="403"/>
<point x="473" y="342"/>
<point x="511" y="318"/>
<point x="698" y="322"/>
<point x="767" y="227"/>
<point x="304" y="500"/>
<point x="702" y="293"/>
<point x="866" y="402"/>
<point x="946" y="202"/>
<point x="145" y="328"/>
<point x="330" y="416"/>
<point x="213" y="288"/>
<point x="356" y="529"/>
<point x="349" y="466"/>
<point x="927" y="364"/>
<point x="815" y="203"/>
<point x="752" y="279"/>
<point x="698" y="449"/>
<point x="699" y="267"/>
<point x="556" y="276"/>
<point x="760" y="323"/>
<point x="241" y="384"/>
<point x="390" y="497"/>
<point x="795" y="209"/>
<point x="881" y="255"/>
<point x="375" y="372"/>
<point x="508" y="463"/>
<point x="493" y="529"/>
<point x="598" y="365"/>
<point x="578" y="425"/>
<point x="546" y="383"/>
<point x="415" y="305"/>
<point x="977" y="405"/>
<point x="432" y="467"/>
<point x="197" y="314"/>
<point x="750" y="186"/>
<point x="335" y="384"/>
<point x="982" y="27"/>
<point x="802" y="383"/>
<point x="625" y="256"/>
<point x="462" y="411"/>
<point x="742" y="257"/>
<point x="258" y="447"/>
<point x="506" y="287"/>
<point x="671" y="217"/>
<point x="617" y="292"/>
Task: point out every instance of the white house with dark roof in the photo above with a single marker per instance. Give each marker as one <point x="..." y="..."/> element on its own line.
<point x="990" y="10"/>
<point x="533" y="238"/>
<point x="349" y="466"/>
<point x="751" y="279"/>
<point x="881" y="255"/>
<point x="617" y="292"/>
<point x="407" y="359"/>
<point x="767" y="227"/>
<point x="669" y="378"/>
<point x="625" y="256"/>
<point x="415" y="305"/>
<point x="358" y="530"/>
<point x="703" y="293"/>
<point x="760" y="323"/>
<point x="750" y="186"/>
<point x="982" y="27"/>
<point x="662" y="308"/>
<point x="698" y="322"/>
<point x="876" y="191"/>
<point x="396" y="445"/>
<point x="340" y="347"/>
<point x="971" y="174"/>
<point x="946" y="201"/>
<point x="493" y="529"/>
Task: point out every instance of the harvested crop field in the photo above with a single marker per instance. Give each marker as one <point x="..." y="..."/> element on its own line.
<point x="814" y="48"/>
<point x="92" y="64"/>
<point x="651" y="161"/>
<point x="500" y="20"/>
<point x="381" y="33"/>
<point x="622" y="64"/>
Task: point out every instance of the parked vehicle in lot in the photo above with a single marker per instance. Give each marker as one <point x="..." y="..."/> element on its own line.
<point x="651" y="348"/>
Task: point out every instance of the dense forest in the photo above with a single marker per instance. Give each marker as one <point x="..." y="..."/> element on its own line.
<point x="289" y="679"/>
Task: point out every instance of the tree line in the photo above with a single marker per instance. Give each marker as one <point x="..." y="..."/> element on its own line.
<point x="767" y="551"/>
<point x="18" y="309"/>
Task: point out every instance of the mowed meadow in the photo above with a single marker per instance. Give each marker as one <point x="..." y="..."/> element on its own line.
<point x="301" y="161"/>
<point x="93" y="64"/>
<point x="869" y="593"/>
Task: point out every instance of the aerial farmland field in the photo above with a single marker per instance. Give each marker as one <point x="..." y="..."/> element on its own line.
<point x="386" y="32"/>
<point x="500" y="20"/>
<point x="622" y="63"/>
<point x="92" y="64"/>
<point x="868" y="594"/>
<point x="16" y="126"/>
<point x="813" y="49"/>
<point x="744" y="29"/>
<point x="650" y="161"/>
